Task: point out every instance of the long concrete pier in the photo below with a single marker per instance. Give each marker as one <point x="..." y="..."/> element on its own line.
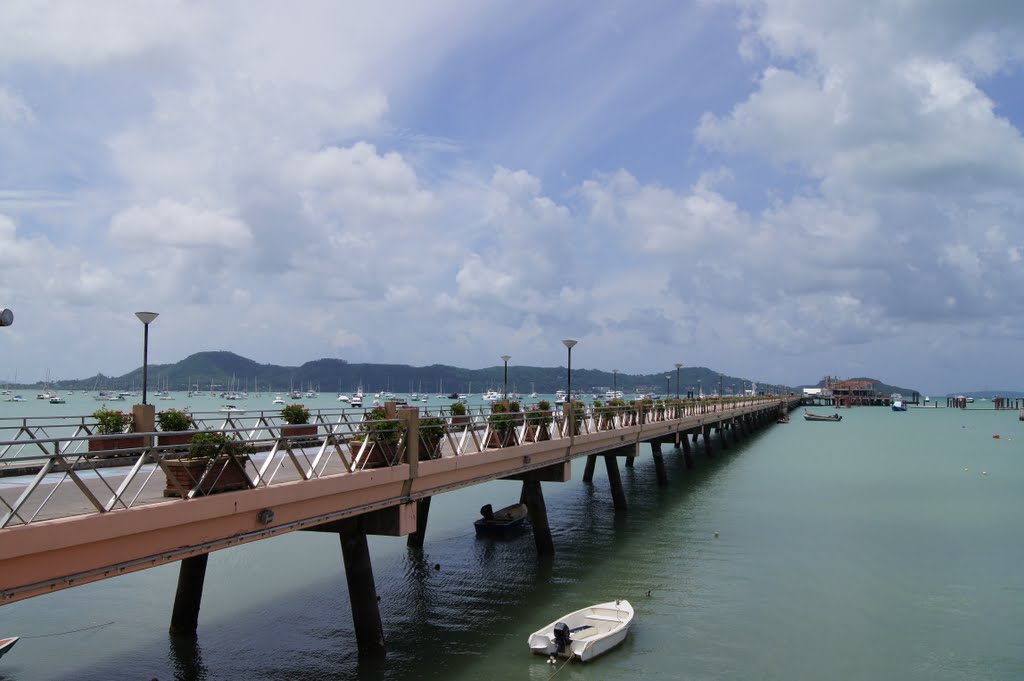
<point x="73" y="526"/>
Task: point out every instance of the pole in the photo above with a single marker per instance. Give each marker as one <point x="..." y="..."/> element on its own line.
<point x="506" y="358"/>
<point x="678" y="367"/>
<point x="615" y="380"/>
<point x="145" y="360"/>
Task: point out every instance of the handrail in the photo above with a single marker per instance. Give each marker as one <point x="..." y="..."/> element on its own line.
<point x="56" y="470"/>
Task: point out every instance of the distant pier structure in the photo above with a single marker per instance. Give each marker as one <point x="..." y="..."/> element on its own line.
<point x="854" y="393"/>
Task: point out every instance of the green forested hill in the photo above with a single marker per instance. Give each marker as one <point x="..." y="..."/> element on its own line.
<point x="224" y="370"/>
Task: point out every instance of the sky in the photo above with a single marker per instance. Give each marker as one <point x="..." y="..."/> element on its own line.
<point x="775" y="190"/>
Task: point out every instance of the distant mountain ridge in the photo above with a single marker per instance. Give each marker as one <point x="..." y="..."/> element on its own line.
<point x="222" y="370"/>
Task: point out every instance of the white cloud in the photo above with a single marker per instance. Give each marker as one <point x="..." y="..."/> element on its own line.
<point x="171" y="224"/>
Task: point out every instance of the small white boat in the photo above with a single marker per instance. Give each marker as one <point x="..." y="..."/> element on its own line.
<point x="232" y="409"/>
<point x="6" y="644"/>
<point x="586" y="633"/>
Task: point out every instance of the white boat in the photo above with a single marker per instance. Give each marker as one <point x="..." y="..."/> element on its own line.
<point x="278" y="400"/>
<point x="586" y="633"/>
<point x="232" y="409"/>
<point x="6" y="644"/>
<point x="491" y="396"/>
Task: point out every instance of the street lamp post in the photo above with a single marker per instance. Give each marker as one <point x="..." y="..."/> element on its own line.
<point x="700" y="389"/>
<point x="146" y="318"/>
<point x="678" y="367"/>
<point x="615" y="382"/>
<point x="668" y="386"/>
<point x="506" y="358"/>
<point x="569" y="343"/>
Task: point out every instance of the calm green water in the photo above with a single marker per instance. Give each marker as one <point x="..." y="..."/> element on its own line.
<point x="858" y="550"/>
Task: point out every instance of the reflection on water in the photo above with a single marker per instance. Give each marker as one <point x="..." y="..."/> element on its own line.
<point x="186" y="659"/>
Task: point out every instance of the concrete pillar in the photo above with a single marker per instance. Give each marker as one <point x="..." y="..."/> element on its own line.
<point x="588" y="471"/>
<point x="723" y="440"/>
<point x="362" y="593"/>
<point x="708" y="447"/>
<point x="144" y="421"/>
<point x="687" y="451"/>
<point x="659" y="468"/>
<point x="533" y="497"/>
<point x="415" y="539"/>
<point x="618" y="494"/>
<point x="189" y="595"/>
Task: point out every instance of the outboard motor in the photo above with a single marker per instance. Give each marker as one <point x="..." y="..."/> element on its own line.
<point x="562" y="637"/>
<point x="487" y="512"/>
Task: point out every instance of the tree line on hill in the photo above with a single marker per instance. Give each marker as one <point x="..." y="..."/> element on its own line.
<point x="223" y="370"/>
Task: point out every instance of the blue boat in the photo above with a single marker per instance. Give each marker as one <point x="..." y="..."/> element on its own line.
<point x="899" y="405"/>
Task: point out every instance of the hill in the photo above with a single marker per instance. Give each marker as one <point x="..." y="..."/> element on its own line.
<point x="224" y="370"/>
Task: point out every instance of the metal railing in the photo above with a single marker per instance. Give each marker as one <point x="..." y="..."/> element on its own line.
<point x="82" y="472"/>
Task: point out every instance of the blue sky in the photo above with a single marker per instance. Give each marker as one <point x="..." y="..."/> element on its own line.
<point x="774" y="190"/>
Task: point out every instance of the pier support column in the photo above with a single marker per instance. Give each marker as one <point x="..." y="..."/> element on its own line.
<point x="588" y="471"/>
<point x="415" y="539"/>
<point x="618" y="494"/>
<point x="723" y="439"/>
<point x="659" y="464"/>
<point x="687" y="451"/>
<point x="362" y="593"/>
<point x="533" y="497"/>
<point x="189" y="595"/>
<point x="708" y="447"/>
<point x="631" y="459"/>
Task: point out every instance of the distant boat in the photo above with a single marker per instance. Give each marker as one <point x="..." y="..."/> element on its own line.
<point x="232" y="409"/>
<point x="808" y="416"/>
<point x="505" y="522"/>
<point x="278" y="400"/>
<point x="57" y="399"/>
<point x="899" y="405"/>
<point x="6" y="644"/>
<point x="586" y="633"/>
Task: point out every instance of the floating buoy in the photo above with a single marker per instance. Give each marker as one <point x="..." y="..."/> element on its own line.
<point x="984" y="472"/>
<point x="995" y="437"/>
<point x="716" y="535"/>
<point x="965" y="470"/>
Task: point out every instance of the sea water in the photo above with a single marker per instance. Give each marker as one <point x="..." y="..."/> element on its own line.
<point x="886" y="546"/>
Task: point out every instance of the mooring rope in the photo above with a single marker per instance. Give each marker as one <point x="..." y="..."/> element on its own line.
<point x="73" y="631"/>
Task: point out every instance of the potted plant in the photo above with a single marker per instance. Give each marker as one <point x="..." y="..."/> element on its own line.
<point x="659" y="410"/>
<point x="502" y="425"/>
<point x="459" y="416"/>
<point x="604" y="416"/>
<point x="379" y="436"/>
<point x="215" y="463"/>
<point x="296" y="418"/>
<point x="114" y="422"/>
<point x="432" y="430"/>
<point x="174" y="421"/>
<point x="629" y="413"/>
<point x="538" y="418"/>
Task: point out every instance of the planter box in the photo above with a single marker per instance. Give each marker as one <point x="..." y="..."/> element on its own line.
<point x="224" y="475"/>
<point x="301" y="434"/>
<point x="430" y="448"/>
<point x="178" y="441"/>
<point x="108" y="447"/>
<point x="462" y="420"/>
<point x="499" y="439"/>
<point x="537" y="433"/>
<point x="377" y="455"/>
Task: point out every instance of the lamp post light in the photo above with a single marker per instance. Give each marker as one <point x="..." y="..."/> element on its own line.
<point x="678" y="367"/>
<point x="146" y="318"/>
<point x="6" y="317"/>
<point x="506" y="358"/>
<point x="668" y="386"/>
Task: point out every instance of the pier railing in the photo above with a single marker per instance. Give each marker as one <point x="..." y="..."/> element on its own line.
<point x="66" y="469"/>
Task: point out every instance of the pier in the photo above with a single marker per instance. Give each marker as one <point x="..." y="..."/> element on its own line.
<point x="83" y="516"/>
